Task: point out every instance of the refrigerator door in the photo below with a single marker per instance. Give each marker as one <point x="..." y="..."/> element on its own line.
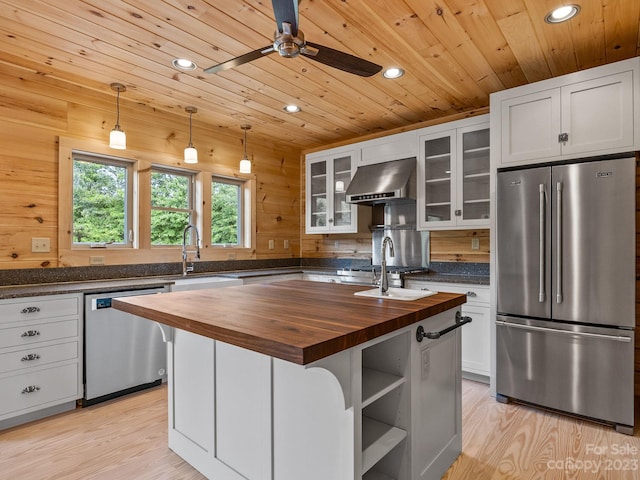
<point x="593" y="242"/>
<point x="523" y="255"/>
<point x="574" y="368"/>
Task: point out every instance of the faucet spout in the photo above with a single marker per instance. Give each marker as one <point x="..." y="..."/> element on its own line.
<point x="185" y="252"/>
<point x="384" y="281"/>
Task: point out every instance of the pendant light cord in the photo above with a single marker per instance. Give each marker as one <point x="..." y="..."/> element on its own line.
<point x="118" y="111"/>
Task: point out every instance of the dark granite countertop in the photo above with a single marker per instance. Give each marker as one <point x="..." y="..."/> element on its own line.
<point x="450" y="278"/>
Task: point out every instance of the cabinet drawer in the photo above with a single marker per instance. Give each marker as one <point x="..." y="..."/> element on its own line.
<point x="29" y="390"/>
<point x="36" y="308"/>
<point x="31" y="334"/>
<point x="36" y="355"/>
<point x="475" y="293"/>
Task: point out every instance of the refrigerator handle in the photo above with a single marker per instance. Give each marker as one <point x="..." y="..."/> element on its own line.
<point x="559" y="243"/>
<point x="541" y="291"/>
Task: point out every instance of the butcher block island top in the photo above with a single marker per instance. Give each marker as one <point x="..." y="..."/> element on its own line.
<point x="298" y="321"/>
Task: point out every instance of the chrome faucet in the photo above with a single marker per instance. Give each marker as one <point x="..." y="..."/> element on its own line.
<point x="384" y="282"/>
<point x="185" y="253"/>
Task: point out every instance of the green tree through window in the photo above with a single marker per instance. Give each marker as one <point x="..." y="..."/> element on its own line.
<point x="226" y="212"/>
<point x="100" y="202"/>
<point x="171" y="206"/>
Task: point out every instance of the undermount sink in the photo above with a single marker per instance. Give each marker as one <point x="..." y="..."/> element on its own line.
<point x="405" y="294"/>
<point x="197" y="283"/>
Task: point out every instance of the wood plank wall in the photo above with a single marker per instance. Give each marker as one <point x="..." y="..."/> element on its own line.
<point x="36" y="110"/>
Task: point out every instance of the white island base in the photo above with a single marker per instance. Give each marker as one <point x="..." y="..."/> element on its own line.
<point x="386" y="409"/>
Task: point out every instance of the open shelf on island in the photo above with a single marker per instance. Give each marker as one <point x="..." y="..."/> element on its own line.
<point x="373" y="475"/>
<point x="378" y="439"/>
<point x="375" y="384"/>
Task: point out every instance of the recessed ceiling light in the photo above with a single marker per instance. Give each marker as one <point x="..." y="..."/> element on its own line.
<point x="292" y="108"/>
<point x="183" y="64"/>
<point x="393" y="72"/>
<point x="562" y="14"/>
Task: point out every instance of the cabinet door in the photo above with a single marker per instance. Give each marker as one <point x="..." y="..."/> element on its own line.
<point x="598" y="114"/>
<point x="530" y="127"/>
<point x="436" y="188"/>
<point x="328" y="178"/>
<point x="473" y="177"/>
<point x="476" y="357"/>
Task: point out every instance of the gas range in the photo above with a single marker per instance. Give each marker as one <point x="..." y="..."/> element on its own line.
<point x="371" y="275"/>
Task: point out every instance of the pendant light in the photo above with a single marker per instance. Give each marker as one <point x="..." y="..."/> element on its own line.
<point x="245" y="163"/>
<point x="190" y="153"/>
<point x="117" y="137"/>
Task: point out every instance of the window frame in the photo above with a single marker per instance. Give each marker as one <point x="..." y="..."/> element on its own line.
<point x="130" y="201"/>
<point x="241" y="230"/>
<point x="193" y="213"/>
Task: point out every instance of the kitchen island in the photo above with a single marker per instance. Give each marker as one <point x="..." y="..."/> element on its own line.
<point x="299" y="379"/>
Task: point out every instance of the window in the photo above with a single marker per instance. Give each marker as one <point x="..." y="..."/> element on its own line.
<point x="171" y="205"/>
<point x="102" y="200"/>
<point x="227" y="212"/>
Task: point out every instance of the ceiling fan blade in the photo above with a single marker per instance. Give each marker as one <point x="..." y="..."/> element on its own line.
<point x="246" y="58"/>
<point x="286" y="11"/>
<point x="340" y="60"/>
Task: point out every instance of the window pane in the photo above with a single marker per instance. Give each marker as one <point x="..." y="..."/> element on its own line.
<point x="169" y="190"/>
<point x="170" y="206"/>
<point x="99" y="202"/>
<point x="167" y="227"/>
<point x="226" y="213"/>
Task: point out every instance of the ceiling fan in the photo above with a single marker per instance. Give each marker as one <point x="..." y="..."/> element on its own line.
<point x="289" y="42"/>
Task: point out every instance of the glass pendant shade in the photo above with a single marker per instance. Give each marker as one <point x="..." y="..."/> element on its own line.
<point x="117" y="137"/>
<point x="245" y="163"/>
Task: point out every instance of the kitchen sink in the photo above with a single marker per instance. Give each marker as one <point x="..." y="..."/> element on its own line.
<point x="198" y="283"/>
<point x="405" y="294"/>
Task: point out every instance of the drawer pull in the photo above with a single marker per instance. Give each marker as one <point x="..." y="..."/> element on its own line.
<point x="30" y="310"/>
<point x="30" y="389"/>
<point x="471" y="294"/>
<point x="30" y="357"/>
<point x="30" y="333"/>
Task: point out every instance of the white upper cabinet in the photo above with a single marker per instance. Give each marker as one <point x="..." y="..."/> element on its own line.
<point x="453" y="175"/>
<point x="391" y="147"/>
<point x="328" y="175"/>
<point x="592" y="112"/>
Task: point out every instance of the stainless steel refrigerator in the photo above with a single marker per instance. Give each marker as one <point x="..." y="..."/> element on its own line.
<point x="566" y="288"/>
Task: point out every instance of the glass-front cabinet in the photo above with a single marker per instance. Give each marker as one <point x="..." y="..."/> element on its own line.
<point x="328" y="177"/>
<point x="453" y="178"/>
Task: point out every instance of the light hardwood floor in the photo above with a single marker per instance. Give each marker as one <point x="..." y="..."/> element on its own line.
<point x="127" y="439"/>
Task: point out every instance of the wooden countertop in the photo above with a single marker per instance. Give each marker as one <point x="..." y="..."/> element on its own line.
<point x="298" y="321"/>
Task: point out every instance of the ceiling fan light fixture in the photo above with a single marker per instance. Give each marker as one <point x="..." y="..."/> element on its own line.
<point x="393" y="72"/>
<point x="291" y="108"/>
<point x="117" y="137"/>
<point x="184" y="64"/>
<point x="190" y="153"/>
<point x="245" y="163"/>
<point x="562" y="14"/>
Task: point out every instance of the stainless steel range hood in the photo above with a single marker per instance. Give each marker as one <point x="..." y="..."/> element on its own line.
<point x="383" y="182"/>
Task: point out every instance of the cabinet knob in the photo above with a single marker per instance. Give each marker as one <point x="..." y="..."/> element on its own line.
<point x="458" y="213"/>
<point x="30" y="389"/>
<point x="30" y="357"/>
<point x="472" y="294"/>
<point x="30" y="333"/>
<point x="563" y="137"/>
<point x="30" y="310"/>
<point x="330" y="220"/>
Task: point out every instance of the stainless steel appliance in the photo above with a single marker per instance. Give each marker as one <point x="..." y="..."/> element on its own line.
<point x="566" y="288"/>
<point x="124" y="353"/>
<point x="383" y="182"/>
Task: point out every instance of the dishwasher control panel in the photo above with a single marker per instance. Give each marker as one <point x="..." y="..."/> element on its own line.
<point x="101" y="303"/>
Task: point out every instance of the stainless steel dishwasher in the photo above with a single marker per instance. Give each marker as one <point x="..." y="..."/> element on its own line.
<point x="123" y="353"/>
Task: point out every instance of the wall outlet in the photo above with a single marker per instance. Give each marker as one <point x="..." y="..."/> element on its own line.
<point x="41" y="245"/>
<point x="286" y="244"/>
<point x="272" y="245"/>
<point x="96" y="260"/>
<point x="475" y="244"/>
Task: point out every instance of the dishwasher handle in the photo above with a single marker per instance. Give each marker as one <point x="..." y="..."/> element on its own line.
<point x="460" y="321"/>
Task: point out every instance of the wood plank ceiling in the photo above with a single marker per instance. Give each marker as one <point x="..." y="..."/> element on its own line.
<point x="455" y="52"/>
